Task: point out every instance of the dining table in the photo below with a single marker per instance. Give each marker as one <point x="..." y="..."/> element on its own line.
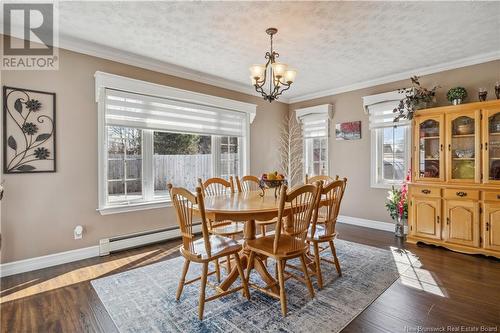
<point x="246" y="207"/>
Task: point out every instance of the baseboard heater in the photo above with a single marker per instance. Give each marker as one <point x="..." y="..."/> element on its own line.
<point x="119" y="243"/>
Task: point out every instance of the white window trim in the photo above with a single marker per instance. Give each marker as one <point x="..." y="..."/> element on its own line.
<point x="391" y="96"/>
<point x="112" y="81"/>
<point x="325" y="110"/>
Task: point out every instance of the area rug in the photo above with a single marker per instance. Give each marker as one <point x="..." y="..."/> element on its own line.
<point x="143" y="299"/>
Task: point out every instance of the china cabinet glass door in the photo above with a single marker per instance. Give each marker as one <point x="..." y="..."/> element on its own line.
<point x="429" y="146"/>
<point x="463" y="147"/>
<point x="491" y="146"/>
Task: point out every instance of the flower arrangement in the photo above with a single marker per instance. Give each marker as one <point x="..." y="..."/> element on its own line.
<point x="397" y="201"/>
<point x="457" y="93"/>
<point x="415" y="98"/>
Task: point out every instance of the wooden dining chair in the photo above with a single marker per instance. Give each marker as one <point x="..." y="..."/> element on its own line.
<point x="208" y="248"/>
<point x="252" y="183"/>
<point x="322" y="229"/>
<point x="289" y="240"/>
<point x="219" y="186"/>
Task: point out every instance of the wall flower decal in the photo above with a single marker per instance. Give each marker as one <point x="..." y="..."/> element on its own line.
<point x="33" y="105"/>
<point x="29" y="131"/>
<point x="30" y="128"/>
<point x="42" y="153"/>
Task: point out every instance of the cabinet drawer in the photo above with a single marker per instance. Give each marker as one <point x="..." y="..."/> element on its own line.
<point x="426" y="191"/>
<point x="492" y="196"/>
<point x="461" y="194"/>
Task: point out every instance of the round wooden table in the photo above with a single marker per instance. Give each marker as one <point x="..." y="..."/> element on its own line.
<point x="245" y="207"/>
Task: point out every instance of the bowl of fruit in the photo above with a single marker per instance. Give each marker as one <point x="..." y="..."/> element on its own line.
<point x="272" y="180"/>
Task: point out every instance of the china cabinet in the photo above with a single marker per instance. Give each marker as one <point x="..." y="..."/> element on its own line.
<point x="454" y="197"/>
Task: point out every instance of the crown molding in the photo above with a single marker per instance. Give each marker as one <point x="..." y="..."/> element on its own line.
<point x="129" y="58"/>
<point x="469" y="61"/>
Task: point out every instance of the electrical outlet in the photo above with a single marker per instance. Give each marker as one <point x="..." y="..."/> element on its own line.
<point x="78" y="232"/>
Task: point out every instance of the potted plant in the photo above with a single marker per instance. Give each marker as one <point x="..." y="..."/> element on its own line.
<point x="397" y="206"/>
<point x="415" y="98"/>
<point x="456" y="95"/>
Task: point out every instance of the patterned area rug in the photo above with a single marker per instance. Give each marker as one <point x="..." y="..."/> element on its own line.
<point x="143" y="299"/>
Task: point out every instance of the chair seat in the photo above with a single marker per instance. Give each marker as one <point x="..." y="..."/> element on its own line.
<point x="269" y="222"/>
<point x="220" y="246"/>
<point x="320" y="234"/>
<point x="288" y="246"/>
<point x="229" y="229"/>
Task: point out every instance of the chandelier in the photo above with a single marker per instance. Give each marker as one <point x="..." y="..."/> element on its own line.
<point x="277" y="77"/>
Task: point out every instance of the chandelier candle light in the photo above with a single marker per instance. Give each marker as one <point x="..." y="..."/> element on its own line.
<point x="277" y="76"/>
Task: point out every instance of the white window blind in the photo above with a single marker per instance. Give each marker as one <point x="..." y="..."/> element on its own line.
<point x="149" y="112"/>
<point x="382" y="115"/>
<point x="315" y="125"/>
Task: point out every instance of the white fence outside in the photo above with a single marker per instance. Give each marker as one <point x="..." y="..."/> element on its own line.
<point x="180" y="170"/>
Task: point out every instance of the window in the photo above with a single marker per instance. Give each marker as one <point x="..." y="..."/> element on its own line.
<point x="315" y="127"/>
<point x="124" y="164"/>
<point x="390" y="145"/>
<point x="149" y="141"/>
<point x="390" y="142"/>
<point x="316" y="156"/>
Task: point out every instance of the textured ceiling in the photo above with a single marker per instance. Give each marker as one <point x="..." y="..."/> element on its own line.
<point x="331" y="44"/>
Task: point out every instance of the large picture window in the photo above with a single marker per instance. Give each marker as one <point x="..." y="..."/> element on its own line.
<point x="148" y="142"/>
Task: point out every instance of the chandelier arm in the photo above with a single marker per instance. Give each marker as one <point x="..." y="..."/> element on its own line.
<point x="261" y="91"/>
<point x="282" y="91"/>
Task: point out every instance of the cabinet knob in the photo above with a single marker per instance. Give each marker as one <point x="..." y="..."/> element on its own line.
<point x="426" y="191"/>
<point x="498" y="196"/>
<point x="461" y="194"/>
<point x="447" y="220"/>
<point x="441" y="147"/>
<point x="438" y="218"/>
<point x="487" y="226"/>
<point x="486" y="146"/>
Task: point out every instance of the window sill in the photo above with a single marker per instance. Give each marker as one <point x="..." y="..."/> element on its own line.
<point x="386" y="186"/>
<point x="116" y="209"/>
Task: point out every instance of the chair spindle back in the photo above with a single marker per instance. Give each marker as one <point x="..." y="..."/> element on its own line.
<point x="216" y="186"/>
<point x="331" y="198"/>
<point x="248" y="183"/>
<point x="184" y="201"/>
<point x="325" y="179"/>
<point x="302" y="201"/>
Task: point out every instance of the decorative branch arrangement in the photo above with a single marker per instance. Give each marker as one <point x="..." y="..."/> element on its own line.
<point x="29" y="131"/>
<point x="291" y="150"/>
<point x="415" y="98"/>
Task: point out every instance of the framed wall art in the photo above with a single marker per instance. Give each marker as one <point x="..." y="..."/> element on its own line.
<point x="348" y="131"/>
<point x="29" y="131"/>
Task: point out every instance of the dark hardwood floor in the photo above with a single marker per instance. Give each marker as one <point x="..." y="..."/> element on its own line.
<point x="450" y="289"/>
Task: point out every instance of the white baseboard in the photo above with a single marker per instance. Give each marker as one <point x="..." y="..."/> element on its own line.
<point x="49" y="260"/>
<point x="379" y="225"/>
<point x="32" y="264"/>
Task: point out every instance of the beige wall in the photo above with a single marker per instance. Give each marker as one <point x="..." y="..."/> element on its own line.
<point x="39" y="211"/>
<point x="352" y="158"/>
